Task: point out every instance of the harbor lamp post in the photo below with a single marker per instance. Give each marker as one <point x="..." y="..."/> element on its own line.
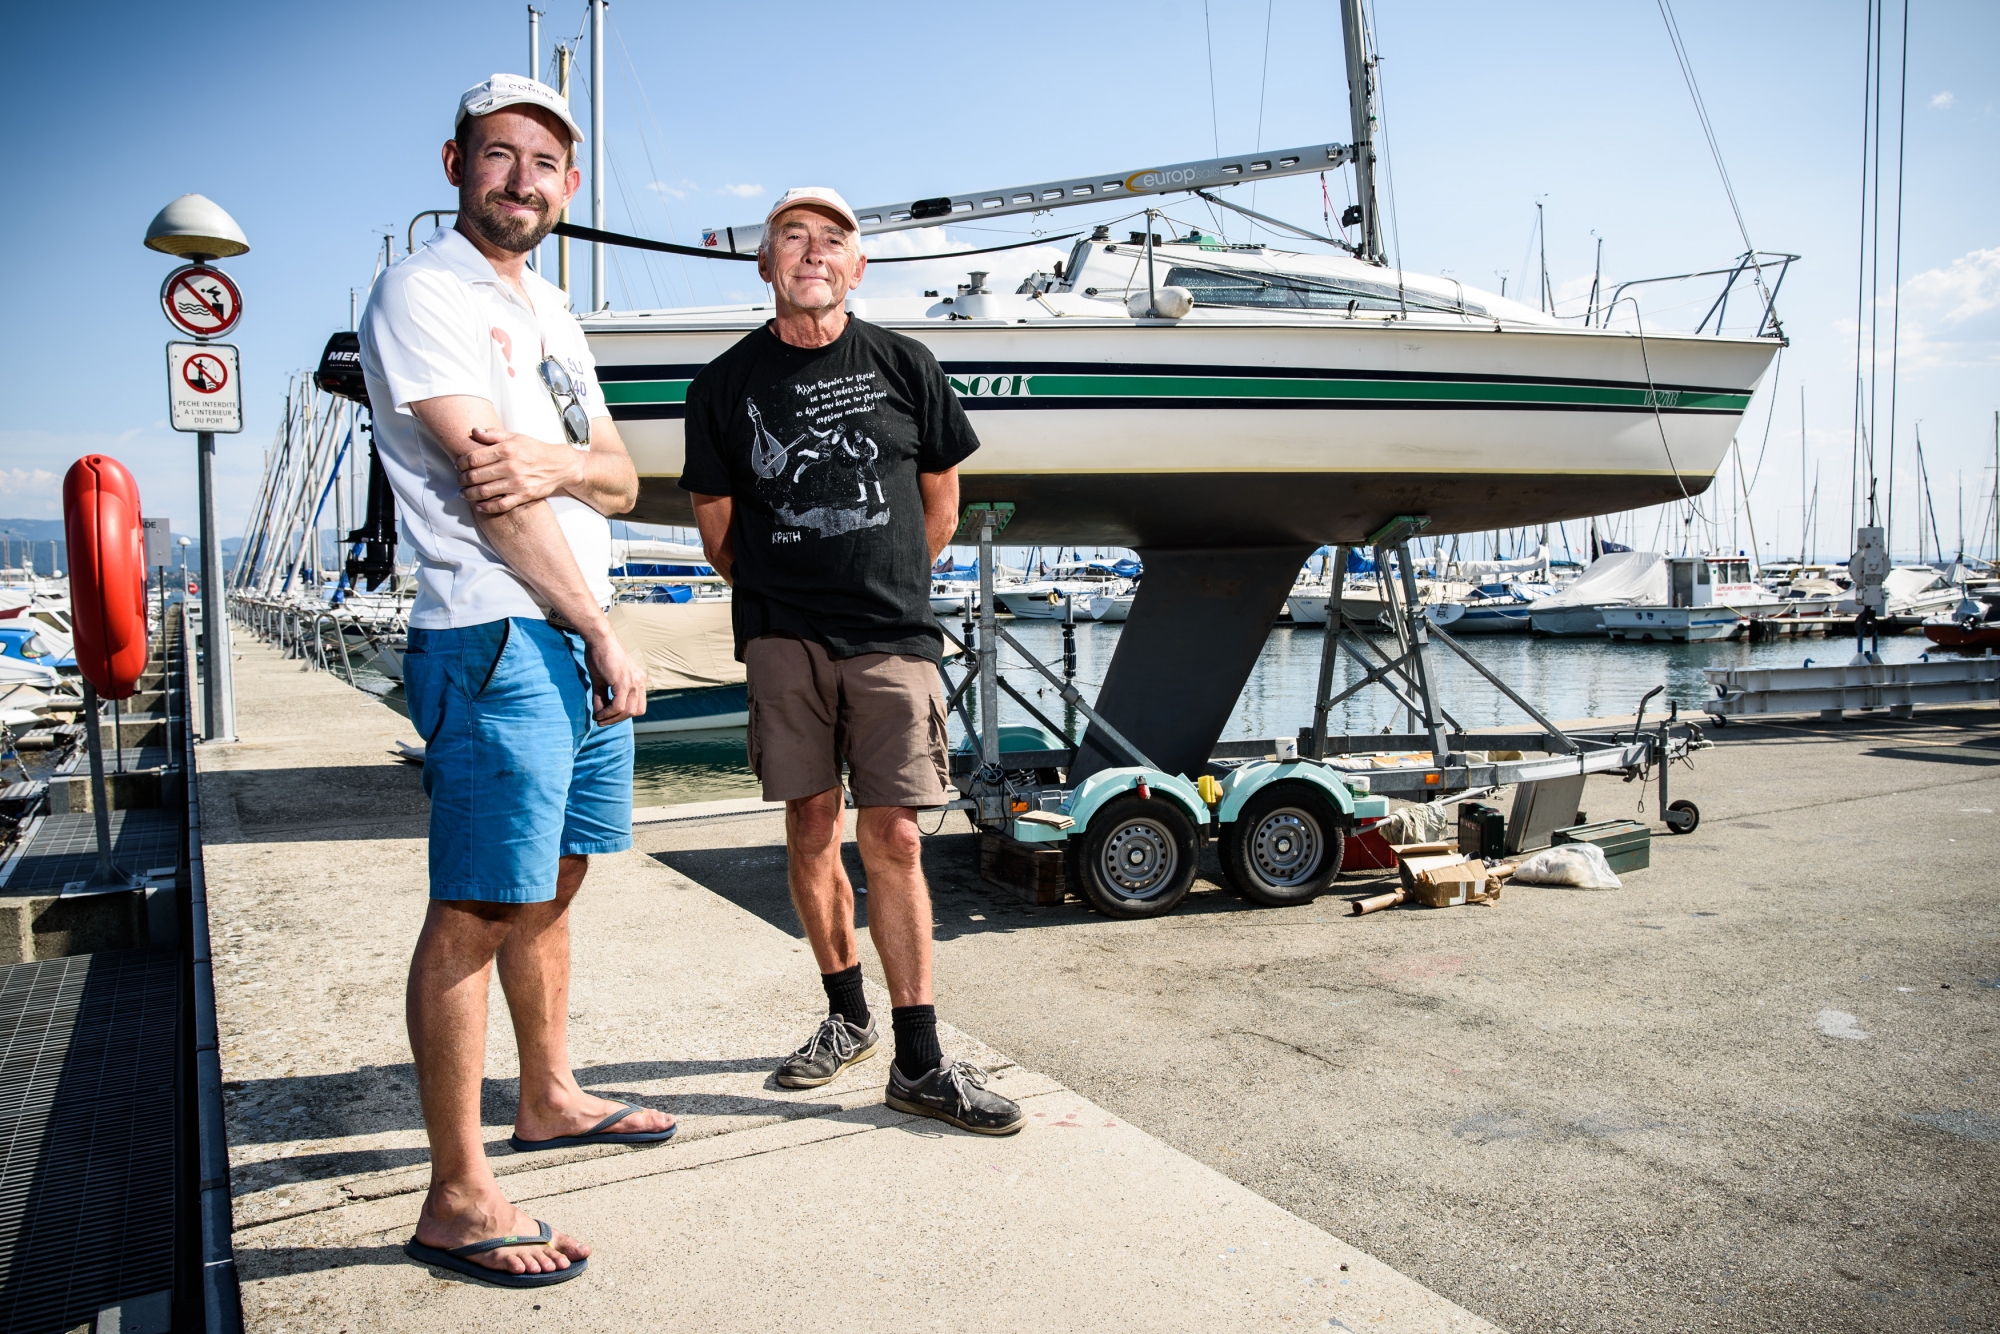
<point x="205" y="397"/>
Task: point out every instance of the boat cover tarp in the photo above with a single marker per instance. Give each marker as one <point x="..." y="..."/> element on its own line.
<point x="682" y="645"/>
<point x="1621" y="579"/>
<point x="1476" y="571"/>
<point x="647" y="551"/>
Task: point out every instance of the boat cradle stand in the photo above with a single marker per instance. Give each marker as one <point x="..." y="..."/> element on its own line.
<point x="1174" y="726"/>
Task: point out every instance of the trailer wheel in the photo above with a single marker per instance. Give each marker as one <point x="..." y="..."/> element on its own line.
<point x="1682" y="817"/>
<point x="1138" y="858"/>
<point x="1285" y="847"/>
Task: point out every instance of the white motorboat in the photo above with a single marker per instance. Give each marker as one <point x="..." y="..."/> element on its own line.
<point x="1361" y="599"/>
<point x="1112" y="607"/>
<point x="1691" y="615"/>
<point x="1046" y="600"/>
<point x="948" y="596"/>
<point x="1910" y="594"/>
<point x="1616" y="579"/>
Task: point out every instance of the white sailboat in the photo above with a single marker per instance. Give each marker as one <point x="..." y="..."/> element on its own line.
<point x="1226" y="408"/>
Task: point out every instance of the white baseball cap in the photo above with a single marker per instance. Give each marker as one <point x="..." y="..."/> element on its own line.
<point x="824" y="196"/>
<point x="508" y="90"/>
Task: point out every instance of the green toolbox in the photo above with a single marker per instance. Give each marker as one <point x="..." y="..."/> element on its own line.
<point x="1627" y="844"/>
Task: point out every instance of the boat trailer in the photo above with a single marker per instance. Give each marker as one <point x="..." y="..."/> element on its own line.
<point x="1281" y="810"/>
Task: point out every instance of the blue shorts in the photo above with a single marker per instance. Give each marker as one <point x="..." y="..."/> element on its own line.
<point x="517" y="770"/>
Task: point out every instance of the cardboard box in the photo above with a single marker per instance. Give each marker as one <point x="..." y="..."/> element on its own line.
<point x="1448" y="881"/>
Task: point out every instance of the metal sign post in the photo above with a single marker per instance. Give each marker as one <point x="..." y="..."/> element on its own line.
<point x="205" y="395"/>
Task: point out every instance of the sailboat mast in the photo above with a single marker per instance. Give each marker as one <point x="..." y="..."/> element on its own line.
<point x="597" y="218"/>
<point x="1361" y="111"/>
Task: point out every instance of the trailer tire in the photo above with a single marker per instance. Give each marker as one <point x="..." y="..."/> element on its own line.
<point x="1284" y="847"/>
<point x="1682" y="817"/>
<point x="1137" y="858"/>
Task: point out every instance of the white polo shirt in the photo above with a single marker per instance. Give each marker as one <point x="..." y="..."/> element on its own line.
<point x="443" y="322"/>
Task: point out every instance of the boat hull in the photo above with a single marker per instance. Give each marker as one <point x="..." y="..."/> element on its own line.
<point x="1568" y="622"/>
<point x="1515" y="620"/>
<point x="694" y="710"/>
<point x="1672" y="625"/>
<point x="1225" y="433"/>
<point x="1980" y="638"/>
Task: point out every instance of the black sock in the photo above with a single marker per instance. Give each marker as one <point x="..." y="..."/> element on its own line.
<point x="917" y="1050"/>
<point x="844" y="996"/>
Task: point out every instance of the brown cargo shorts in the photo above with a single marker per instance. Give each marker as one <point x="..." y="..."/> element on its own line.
<point x="881" y="712"/>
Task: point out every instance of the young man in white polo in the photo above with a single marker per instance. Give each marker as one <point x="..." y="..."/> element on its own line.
<point x="505" y="464"/>
<point x="822" y="454"/>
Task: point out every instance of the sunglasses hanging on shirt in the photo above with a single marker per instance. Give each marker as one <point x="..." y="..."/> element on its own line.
<point x="576" y="422"/>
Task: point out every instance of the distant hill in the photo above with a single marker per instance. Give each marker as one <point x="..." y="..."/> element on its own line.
<point x="36" y="534"/>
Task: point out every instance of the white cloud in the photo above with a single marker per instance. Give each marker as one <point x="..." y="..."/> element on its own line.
<point x="741" y="191"/>
<point x="31" y="493"/>
<point x="1964" y="289"/>
<point x="1950" y="316"/>
<point x="1942" y="101"/>
<point x="677" y="190"/>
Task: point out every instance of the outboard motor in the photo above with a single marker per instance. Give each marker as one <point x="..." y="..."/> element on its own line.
<point x="372" y="549"/>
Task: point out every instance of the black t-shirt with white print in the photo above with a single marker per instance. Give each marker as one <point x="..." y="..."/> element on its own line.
<point x="821" y="447"/>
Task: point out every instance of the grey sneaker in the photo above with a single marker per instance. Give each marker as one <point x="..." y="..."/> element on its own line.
<point x="955" y="1092"/>
<point x="834" y="1045"/>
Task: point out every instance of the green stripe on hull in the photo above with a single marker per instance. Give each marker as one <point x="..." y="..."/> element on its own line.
<point x="617" y="393"/>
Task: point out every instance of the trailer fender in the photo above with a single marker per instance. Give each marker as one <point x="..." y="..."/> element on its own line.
<point x="1105" y="784"/>
<point x="1250" y="779"/>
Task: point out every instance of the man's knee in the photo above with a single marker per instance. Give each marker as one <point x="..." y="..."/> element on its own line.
<point x="890" y="833"/>
<point x="816" y="821"/>
<point x="570" y="871"/>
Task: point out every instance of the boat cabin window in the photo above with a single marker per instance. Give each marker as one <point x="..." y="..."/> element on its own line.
<point x="1732" y="571"/>
<point x="1297" y="291"/>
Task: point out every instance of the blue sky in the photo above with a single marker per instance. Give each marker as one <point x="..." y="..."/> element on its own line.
<point x="319" y="129"/>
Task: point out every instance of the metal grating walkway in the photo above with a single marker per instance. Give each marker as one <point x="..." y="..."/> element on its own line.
<point x="64" y="848"/>
<point x="87" y="1119"/>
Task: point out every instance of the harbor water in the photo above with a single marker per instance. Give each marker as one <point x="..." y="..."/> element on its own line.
<point x="1564" y="678"/>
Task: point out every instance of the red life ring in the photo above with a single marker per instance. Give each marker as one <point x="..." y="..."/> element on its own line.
<point x="107" y="573"/>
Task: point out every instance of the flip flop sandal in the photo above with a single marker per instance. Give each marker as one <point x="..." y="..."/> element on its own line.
<point x="601" y="1133"/>
<point x="458" y="1260"/>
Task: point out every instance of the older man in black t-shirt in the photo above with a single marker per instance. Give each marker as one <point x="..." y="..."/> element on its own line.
<point x="822" y="456"/>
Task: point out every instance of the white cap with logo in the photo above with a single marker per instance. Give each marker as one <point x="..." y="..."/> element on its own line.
<point x="509" y="90"/>
<point x="824" y="196"/>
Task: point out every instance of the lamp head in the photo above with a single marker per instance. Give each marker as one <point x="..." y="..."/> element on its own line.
<point x="196" y="228"/>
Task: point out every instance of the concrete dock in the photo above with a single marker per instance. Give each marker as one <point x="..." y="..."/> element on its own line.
<point x="1756" y="1089"/>
<point x="816" y="1211"/>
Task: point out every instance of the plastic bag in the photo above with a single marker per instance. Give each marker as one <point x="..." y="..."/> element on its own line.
<point x="1572" y="866"/>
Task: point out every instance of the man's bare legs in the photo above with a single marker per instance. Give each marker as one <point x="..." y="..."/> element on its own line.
<point x="899" y="902"/>
<point x="446" y="1009"/>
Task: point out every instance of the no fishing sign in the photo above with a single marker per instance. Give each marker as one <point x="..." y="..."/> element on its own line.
<point x="202" y="389"/>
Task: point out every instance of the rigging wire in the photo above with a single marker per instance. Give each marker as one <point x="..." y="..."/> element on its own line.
<point x="1777" y="374"/>
<point x="1263" y="86"/>
<point x="1714" y="146"/>
<point x="1896" y="289"/>
<point x="1861" y="271"/>
<point x="646" y="144"/>
<point x="1214" y="117"/>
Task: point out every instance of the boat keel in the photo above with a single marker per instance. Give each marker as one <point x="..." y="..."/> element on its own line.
<point x="1200" y="619"/>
